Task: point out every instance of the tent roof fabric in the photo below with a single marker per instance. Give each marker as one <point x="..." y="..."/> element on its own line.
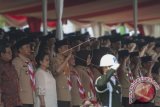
<point x="107" y="11"/>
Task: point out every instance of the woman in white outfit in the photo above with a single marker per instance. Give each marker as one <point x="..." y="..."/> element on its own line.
<point x="45" y="83"/>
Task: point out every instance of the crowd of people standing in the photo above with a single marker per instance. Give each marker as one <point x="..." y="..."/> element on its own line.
<point x="41" y="71"/>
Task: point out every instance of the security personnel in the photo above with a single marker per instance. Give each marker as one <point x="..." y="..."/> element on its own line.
<point x="107" y="86"/>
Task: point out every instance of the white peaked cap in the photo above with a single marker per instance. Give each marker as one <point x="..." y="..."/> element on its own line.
<point x="109" y="60"/>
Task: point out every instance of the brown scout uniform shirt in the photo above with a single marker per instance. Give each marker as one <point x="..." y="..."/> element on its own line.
<point x="63" y="93"/>
<point x="84" y="78"/>
<point x="76" y="99"/>
<point x="124" y="81"/>
<point x="26" y="93"/>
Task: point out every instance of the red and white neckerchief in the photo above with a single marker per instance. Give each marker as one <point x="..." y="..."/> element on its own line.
<point x="91" y="79"/>
<point x="69" y="83"/>
<point x="80" y="86"/>
<point x="31" y="73"/>
<point x="139" y="73"/>
<point x="130" y="75"/>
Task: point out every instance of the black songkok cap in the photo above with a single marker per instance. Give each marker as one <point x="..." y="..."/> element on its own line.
<point x="149" y="39"/>
<point x="157" y="45"/>
<point x="127" y="41"/>
<point x="123" y="53"/>
<point x="141" y="44"/>
<point x="97" y="55"/>
<point x="115" y="38"/>
<point x="125" y="35"/>
<point x="60" y="43"/>
<point x="107" y="37"/>
<point x="81" y="57"/>
<point x="22" y="42"/>
<point x="146" y="59"/>
<point x="155" y="68"/>
<point x="134" y="54"/>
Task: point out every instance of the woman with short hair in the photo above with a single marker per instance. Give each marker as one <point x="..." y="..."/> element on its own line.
<point x="45" y="83"/>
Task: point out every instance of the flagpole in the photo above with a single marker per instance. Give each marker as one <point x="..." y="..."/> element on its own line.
<point x="135" y="14"/>
<point x="44" y="16"/>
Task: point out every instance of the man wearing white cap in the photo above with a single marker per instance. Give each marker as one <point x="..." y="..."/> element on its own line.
<point x="107" y="87"/>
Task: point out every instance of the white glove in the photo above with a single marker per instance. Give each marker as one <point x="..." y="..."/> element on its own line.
<point x="115" y="66"/>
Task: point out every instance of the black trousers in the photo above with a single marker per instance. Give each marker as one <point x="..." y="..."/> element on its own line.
<point x="139" y="104"/>
<point x="125" y="102"/>
<point x="64" y="104"/>
<point x="27" y="105"/>
<point x="75" y="106"/>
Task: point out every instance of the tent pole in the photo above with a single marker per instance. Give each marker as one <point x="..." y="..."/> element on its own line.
<point x="44" y="16"/>
<point x="100" y="29"/>
<point x="135" y="14"/>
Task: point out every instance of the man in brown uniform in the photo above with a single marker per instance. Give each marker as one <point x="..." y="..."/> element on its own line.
<point x="60" y="64"/>
<point x="26" y="91"/>
<point x="8" y="78"/>
<point x="124" y="76"/>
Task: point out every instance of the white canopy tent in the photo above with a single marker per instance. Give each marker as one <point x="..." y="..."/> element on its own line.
<point x="109" y="12"/>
